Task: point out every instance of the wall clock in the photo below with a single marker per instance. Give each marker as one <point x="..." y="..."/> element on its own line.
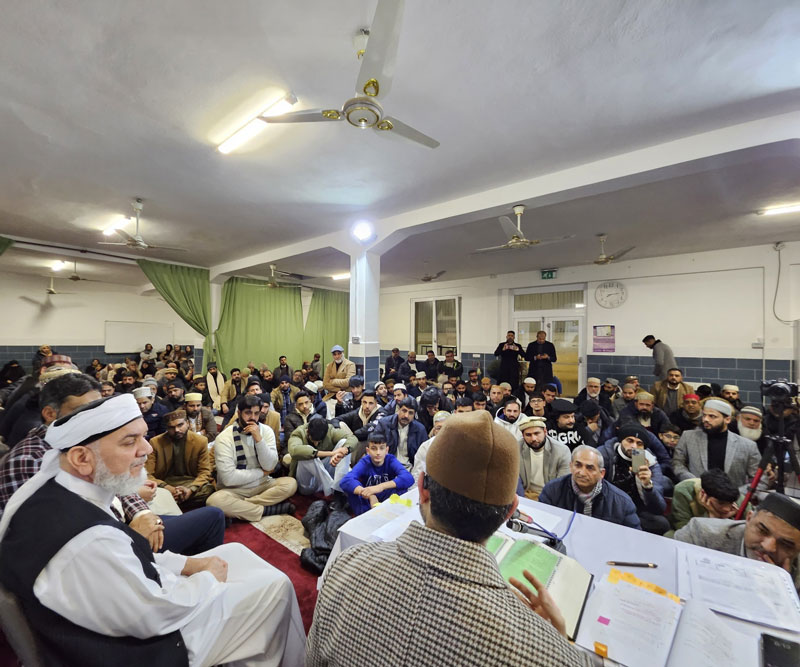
<point x="610" y="294"/>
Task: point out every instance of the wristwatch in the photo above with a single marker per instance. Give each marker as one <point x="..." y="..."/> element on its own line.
<point x="314" y="455"/>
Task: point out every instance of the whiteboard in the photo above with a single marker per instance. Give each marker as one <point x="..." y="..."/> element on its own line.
<point x="126" y="337"/>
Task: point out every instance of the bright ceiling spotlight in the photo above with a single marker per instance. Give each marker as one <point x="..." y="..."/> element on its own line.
<point x="341" y="276"/>
<point x="363" y="231"/>
<point x="777" y="210"/>
<point x="58" y="265"/>
<point x="254" y="126"/>
<point x="119" y="222"/>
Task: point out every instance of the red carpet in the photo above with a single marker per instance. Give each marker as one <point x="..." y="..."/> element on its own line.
<point x="305" y="583"/>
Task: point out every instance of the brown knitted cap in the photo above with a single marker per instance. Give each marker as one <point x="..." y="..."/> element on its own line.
<point x="476" y="458"/>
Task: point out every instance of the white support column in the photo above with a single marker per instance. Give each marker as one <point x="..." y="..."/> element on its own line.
<point x="216" y="311"/>
<point x="364" y="346"/>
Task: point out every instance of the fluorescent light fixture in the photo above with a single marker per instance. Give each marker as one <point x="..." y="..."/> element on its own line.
<point x="362" y="231"/>
<point x="58" y="265"/>
<point x="580" y="305"/>
<point x="119" y="222"/>
<point x="777" y="210"/>
<point x="256" y="125"/>
<point x="341" y="276"/>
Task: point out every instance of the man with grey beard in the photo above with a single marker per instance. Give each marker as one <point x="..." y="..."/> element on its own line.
<point x="91" y="588"/>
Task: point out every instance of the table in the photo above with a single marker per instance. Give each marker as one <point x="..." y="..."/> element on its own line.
<point x="592" y="543"/>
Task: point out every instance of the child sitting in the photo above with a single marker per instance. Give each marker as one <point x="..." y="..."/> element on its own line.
<point x="375" y="477"/>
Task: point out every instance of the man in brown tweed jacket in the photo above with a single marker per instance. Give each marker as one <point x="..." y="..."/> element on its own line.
<point x="436" y="596"/>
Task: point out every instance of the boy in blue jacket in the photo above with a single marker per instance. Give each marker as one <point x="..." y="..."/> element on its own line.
<point x="375" y="477"/>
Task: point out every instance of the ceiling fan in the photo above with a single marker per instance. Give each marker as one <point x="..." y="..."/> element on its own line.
<point x="378" y="51"/>
<point x="136" y="241"/>
<point x="75" y="277"/>
<point x="516" y="239"/>
<point x="270" y="282"/>
<point x="428" y="277"/>
<point x="52" y="289"/>
<point x="602" y="258"/>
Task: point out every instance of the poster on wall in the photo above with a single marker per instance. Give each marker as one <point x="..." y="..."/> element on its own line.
<point x="603" y="338"/>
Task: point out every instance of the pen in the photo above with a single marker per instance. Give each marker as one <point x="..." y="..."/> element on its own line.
<point x="620" y="563"/>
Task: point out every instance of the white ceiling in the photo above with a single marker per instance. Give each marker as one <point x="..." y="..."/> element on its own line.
<point x="104" y="101"/>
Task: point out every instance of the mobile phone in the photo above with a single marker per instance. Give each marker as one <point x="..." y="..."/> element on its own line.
<point x="779" y="652"/>
<point x="638" y="459"/>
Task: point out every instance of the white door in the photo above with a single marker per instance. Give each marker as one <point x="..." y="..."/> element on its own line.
<point x="565" y="333"/>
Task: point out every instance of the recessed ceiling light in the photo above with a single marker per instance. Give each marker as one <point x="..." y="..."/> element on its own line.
<point x="777" y="210"/>
<point x="118" y="223"/>
<point x="58" y="265"/>
<point x="363" y="231"/>
<point x="580" y="305"/>
<point x="341" y="276"/>
<point x="255" y="126"/>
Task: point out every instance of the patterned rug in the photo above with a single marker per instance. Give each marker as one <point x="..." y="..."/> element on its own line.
<point x="285" y="530"/>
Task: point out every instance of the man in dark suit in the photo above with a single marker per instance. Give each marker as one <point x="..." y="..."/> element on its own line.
<point x="541" y="354"/>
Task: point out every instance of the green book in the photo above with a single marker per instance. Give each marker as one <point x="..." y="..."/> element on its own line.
<point x="565" y="578"/>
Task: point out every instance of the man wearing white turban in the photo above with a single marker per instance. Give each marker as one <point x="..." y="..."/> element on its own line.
<point x="93" y="590"/>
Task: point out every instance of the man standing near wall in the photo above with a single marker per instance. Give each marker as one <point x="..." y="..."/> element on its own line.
<point x="663" y="359"/>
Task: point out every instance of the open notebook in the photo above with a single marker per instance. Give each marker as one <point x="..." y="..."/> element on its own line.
<point x="565" y="578"/>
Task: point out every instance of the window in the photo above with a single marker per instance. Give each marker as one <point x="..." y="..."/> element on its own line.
<point x="548" y="300"/>
<point x="436" y="325"/>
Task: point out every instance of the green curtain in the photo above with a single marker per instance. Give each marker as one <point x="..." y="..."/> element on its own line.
<point x="259" y="324"/>
<point x="187" y="290"/>
<point x="328" y="323"/>
<point x="5" y="244"/>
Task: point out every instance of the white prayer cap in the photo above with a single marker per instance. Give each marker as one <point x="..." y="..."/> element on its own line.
<point x="729" y="387"/>
<point x="420" y="374"/>
<point x="311" y="387"/>
<point x="529" y="381"/>
<point x="720" y="406"/>
<point x="92" y="421"/>
<point x="319" y="384"/>
<point x="400" y="385"/>
<point x="142" y="392"/>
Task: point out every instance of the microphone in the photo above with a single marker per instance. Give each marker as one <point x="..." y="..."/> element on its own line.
<point x="550" y="540"/>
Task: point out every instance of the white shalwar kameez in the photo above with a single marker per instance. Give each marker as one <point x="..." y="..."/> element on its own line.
<point x="97" y="582"/>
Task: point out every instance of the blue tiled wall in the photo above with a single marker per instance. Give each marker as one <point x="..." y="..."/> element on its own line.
<point x="745" y="373"/>
<point x="81" y="355"/>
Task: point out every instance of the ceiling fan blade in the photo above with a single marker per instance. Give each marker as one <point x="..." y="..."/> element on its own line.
<point x="508" y="226"/>
<point x="619" y="254"/>
<point x="400" y="128"/>
<point x="558" y="239"/>
<point x="125" y="235"/>
<point x="439" y="274"/>
<point x="377" y="64"/>
<point x="494" y="248"/>
<point x="164" y="247"/>
<point x="110" y="243"/>
<point x="307" y="116"/>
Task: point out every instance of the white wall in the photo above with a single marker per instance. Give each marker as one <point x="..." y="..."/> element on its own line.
<point x="712" y="304"/>
<point x="77" y="319"/>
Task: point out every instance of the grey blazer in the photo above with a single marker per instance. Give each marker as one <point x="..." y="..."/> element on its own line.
<point x="691" y="456"/>
<point x="556" y="461"/>
<point x="724" y="535"/>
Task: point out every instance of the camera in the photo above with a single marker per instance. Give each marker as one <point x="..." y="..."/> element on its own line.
<point x="780" y="388"/>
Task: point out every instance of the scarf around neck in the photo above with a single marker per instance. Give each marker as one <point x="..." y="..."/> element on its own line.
<point x="587" y="498"/>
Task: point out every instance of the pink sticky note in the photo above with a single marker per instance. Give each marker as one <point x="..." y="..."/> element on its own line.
<point x="603" y="620"/>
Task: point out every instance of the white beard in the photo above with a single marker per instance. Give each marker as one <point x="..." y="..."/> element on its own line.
<point x="120" y="485"/>
<point x="750" y="433"/>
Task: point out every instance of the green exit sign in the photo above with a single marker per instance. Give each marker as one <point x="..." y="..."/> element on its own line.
<point x="549" y="274"/>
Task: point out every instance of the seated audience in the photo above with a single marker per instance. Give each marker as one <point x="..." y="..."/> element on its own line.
<point x="430" y="402"/>
<point x="644" y="412"/>
<point x="730" y="392"/>
<point x="375" y="477"/>
<point x="152" y="412"/>
<point x="337" y="373"/>
<point x="382" y="393"/>
<point x="689" y="415"/>
<point x="526" y="390"/>
<point x="402" y="432"/>
<point x="200" y="418"/>
<point x="232" y="391"/>
<point x="360" y="419"/>
<point x="713" y="495"/>
<point x="283" y="368"/>
<point x="542" y="459"/>
<point x="282" y="397"/>
<point x="668" y="394"/>
<point x="536" y="406"/>
<point x="420" y="459"/>
<point x="645" y="485"/>
<point x="669" y="436"/>
<point x="464" y="404"/>
<point x="771" y="534"/>
<point x="496" y="399"/>
<point x="590" y="420"/>
<point x="392" y="365"/>
<point x="479" y="401"/>
<point x="347" y="401"/>
<point x="215" y="383"/>
<point x="612" y="390"/>
<point x="715" y="446"/>
<point x="584" y="490"/>
<point x="749" y="424"/>
<point x="451" y="366"/>
<point x="486" y="385"/>
<point x="593" y="391"/>
<point x="298" y="379"/>
<point x="133" y="605"/>
<point x="431" y="366"/>
<point x="407" y="368"/>
<point x="299" y="414"/>
<point x="175" y="395"/>
<point x="509" y="417"/>
<point x="107" y="389"/>
<point x="245" y="454"/>
<point x="625" y="397"/>
<point x="180" y="463"/>
<point x="127" y="383"/>
<point x="319" y="448"/>
<point x="465" y="496"/>
<point x="563" y="427"/>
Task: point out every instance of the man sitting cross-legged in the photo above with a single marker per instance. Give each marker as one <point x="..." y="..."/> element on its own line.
<point x="542" y="458"/>
<point x="375" y="477"/>
<point x="245" y="455"/>
<point x="320" y="455"/>
<point x="93" y="591"/>
<point x="180" y="462"/>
